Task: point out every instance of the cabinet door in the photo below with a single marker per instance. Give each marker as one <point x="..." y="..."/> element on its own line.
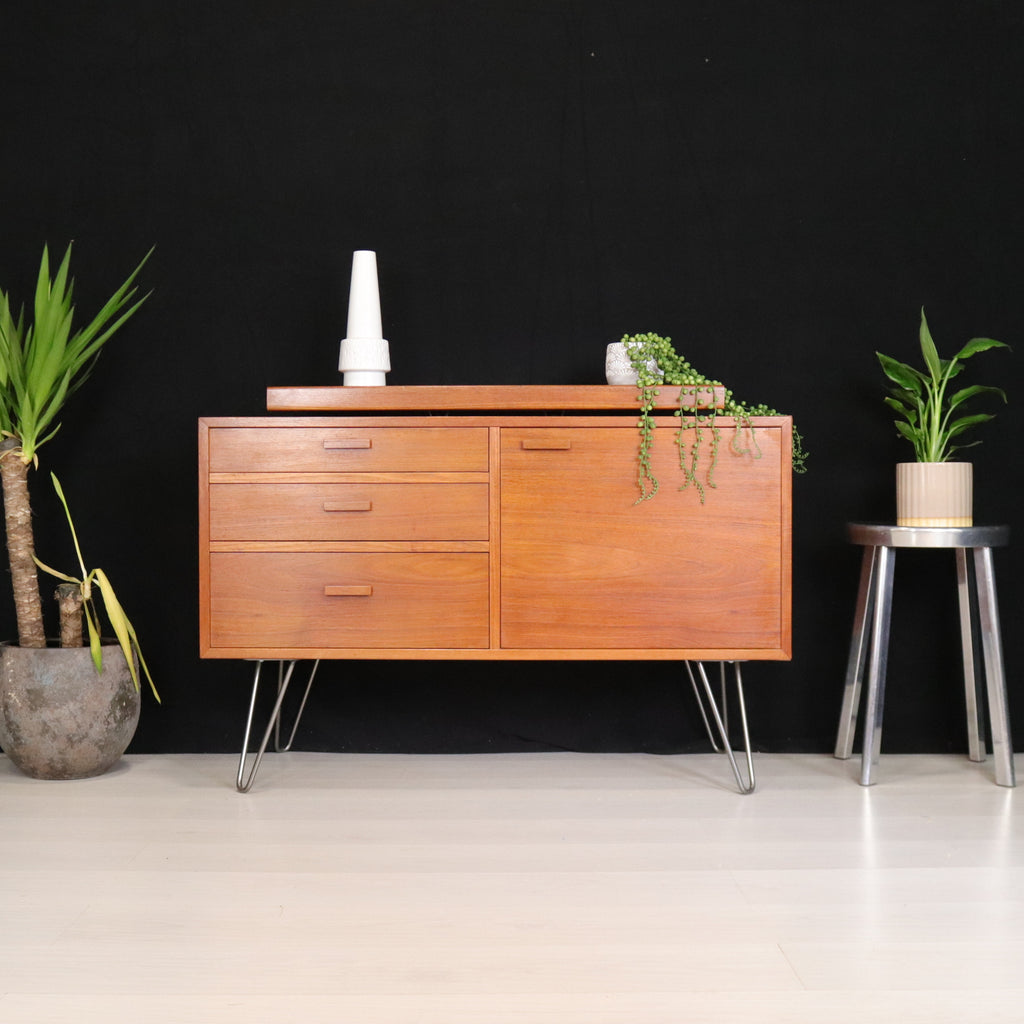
<point x="584" y="566"/>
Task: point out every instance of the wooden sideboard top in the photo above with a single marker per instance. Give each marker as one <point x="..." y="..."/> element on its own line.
<point x="469" y="398"/>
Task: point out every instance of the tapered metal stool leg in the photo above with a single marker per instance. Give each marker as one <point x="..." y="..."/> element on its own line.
<point x="877" y="662"/>
<point x="859" y="644"/>
<point x="995" y="678"/>
<point x="975" y="738"/>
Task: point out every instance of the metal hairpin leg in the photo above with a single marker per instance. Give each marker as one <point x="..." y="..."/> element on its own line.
<point x="706" y="701"/>
<point x="284" y="677"/>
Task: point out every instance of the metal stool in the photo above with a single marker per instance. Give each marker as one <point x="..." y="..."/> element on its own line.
<point x="870" y="643"/>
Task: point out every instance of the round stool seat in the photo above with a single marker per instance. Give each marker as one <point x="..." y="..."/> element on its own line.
<point x="882" y="535"/>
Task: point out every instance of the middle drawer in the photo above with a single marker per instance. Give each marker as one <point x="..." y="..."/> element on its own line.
<point x="348" y="511"/>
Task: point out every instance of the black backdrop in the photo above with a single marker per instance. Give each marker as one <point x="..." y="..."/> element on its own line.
<point x="780" y="186"/>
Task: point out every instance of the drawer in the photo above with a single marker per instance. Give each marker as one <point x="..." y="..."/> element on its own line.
<point x="350" y="600"/>
<point x="349" y="449"/>
<point x="374" y="511"/>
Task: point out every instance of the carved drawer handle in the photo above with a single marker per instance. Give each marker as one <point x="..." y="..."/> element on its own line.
<point x="348" y="506"/>
<point x="555" y="445"/>
<point x="339" y="591"/>
<point x="347" y="443"/>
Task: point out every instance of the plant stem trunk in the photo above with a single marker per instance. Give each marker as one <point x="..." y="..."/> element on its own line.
<point x="69" y="603"/>
<point x="20" y="546"/>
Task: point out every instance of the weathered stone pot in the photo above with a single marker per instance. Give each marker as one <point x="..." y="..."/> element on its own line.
<point x="59" y="719"/>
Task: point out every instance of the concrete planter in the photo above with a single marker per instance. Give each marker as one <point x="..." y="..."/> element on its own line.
<point x="59" y="719"/>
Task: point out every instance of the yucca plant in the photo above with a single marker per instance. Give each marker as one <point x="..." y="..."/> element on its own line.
<point x="931" y="414"/>
<point x="41" y="365"/>
<point x="76" y="597"/>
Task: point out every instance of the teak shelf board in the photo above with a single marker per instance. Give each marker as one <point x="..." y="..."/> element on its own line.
<point x="470" y="398"/>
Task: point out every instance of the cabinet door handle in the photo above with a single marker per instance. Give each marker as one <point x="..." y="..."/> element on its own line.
<point x="560" y="444"/>
<point x="347" y="443"/>
<point x="341" y="591"/>
<point x="348" y="506"/>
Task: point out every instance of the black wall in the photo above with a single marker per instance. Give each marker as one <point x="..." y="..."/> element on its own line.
<point x="779" y="186"/>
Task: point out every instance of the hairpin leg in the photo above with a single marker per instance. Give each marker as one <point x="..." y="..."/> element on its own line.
<point x="244" y="782"/>
<point x="700" y="706"/>
<point x="706" y="702"/>
<point x="281" y="749"/>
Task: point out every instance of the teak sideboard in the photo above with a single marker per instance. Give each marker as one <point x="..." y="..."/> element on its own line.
<point x="487" y="523"/>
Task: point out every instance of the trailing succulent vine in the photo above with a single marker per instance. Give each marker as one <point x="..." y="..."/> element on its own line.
<point x="657" y="362"/>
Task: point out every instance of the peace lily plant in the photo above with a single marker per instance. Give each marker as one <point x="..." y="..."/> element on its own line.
<point x="930" y="412"/>
<point x="41" y="365"/>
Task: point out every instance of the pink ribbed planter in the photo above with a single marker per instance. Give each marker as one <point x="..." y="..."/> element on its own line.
<point x="934" y="494"/>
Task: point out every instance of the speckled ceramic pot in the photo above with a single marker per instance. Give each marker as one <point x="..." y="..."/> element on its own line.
<point x="59" y="719"/>
<point x="618" y="369"/>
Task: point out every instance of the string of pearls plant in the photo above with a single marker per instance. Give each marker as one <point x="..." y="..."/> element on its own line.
<point x="656" y="362"/>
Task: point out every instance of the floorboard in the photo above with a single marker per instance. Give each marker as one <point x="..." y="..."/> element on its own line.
<point x="526" y="888"/>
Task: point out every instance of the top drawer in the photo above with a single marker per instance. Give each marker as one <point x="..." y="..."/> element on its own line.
<point x="349" y="449"/>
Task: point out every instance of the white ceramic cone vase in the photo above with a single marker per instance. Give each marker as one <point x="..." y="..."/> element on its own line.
<point x="365" y="357"/>
<point x="934" y="494"/>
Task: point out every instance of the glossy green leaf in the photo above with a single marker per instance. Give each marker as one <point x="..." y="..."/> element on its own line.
<point x="976" y="389"/>
<point x="928" y="350"/>
<point x="958" y="426"/>
<point x="900" y="373"/>
<point x="976" y="345"/>
<point x="910" y="413"/>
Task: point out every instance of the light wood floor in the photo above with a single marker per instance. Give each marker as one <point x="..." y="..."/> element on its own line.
<point x="519" y="888"/>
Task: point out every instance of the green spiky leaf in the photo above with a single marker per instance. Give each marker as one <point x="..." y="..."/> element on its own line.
<point x="42" y="364"/>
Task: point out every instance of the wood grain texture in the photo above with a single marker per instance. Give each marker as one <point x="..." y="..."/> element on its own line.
<point x="584" y="565"/>
<point x="549" y="888"/>
<point x="398" y="511"/>
<point x="470" y="398"/>
<point x="366" y="448"/>
<point x="566" y="564"/>
<point x="417" y="600"/>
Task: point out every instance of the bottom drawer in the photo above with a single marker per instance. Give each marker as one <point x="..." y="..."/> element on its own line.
<point x="348" y="600"/>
